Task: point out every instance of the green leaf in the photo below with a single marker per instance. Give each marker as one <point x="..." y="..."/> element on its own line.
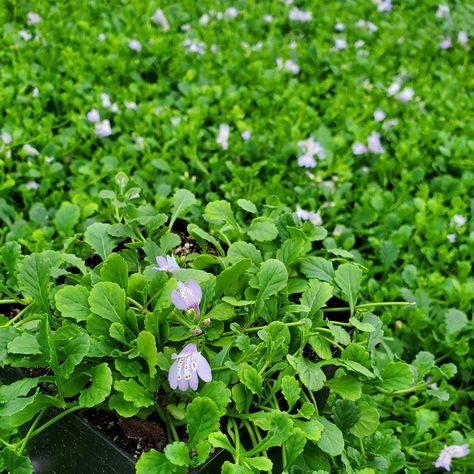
<point x="72" y="302"/>
<point x="347" y="278"/>
<point x="247" y="205"/>
<point x="33" y="279"/>
<point x="217" y="391"/>
<point x="15" y="463"/>
<point x="340" y="335"/>
<point x="107" y="300"/>
<point x="272" y="278"/>
<point x="346" y="386"/>
<point x="291" y="390"/>
<point x="368" y="421"/>
<point x="146" y="345"/>
<point x="309" y="373"/>
<point x="182" y="201"/>
<point x="98" y="238"/>
<point x="318" y="268"/>
<point x="229" y="277"/>
<point x="316" y="296"/>
<point x="424" y="362"/>
<point x="202" y="417"/>
<point x="389" y="252"/>
<point x="122" y="407"/>
<point x="260" y="463"/>
<point x="290" y="250"/>
<point x="177" y="453"/>
<point x="221" y="312"/>
<point x="75" y="349"/>
<point x="154" y="462"/>
<point x="135" y="393"/>
<point x="455" y="321"/>
<point x="219" y="212"/>
<point x="312" y="428"/>
<point x="262" y="229"/>
<point x="239" y="250"/>
<point x="66" y="218"/>
<point x="20" y="388"/>
<point x="294" y="446"/>
<point x="24" y="344"/>
<point x="365" y="327"/>
<point x="100" y="387"/>
<point x="279" y="431"/>
<point x="321" y="346"/>
<point x="345" y="414"/>
<point x="251" y="379"/>
<point x="220" y="440"/>
<point x="115" y="269"/>
<point x="331" y="441"/>
<point x="396" y="376"/>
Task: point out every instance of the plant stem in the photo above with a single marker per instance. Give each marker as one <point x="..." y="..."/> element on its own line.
<point x="135" y="303"/>
<point x="16" y="318"/>
<point x="311" y="395"/>
<point x="369" y="305"/>
<point x="237" y="440"/>
<point x="258" y="328"/>
<point x="55" y="419"/>
<point x="32" y="427"/>
<point x="251" y="433"/>
<point x="13" y="301"/>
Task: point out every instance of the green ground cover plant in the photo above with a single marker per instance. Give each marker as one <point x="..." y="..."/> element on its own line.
<point x="295" y="158"/>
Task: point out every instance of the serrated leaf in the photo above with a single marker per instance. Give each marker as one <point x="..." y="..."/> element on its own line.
<point x="72" y="302"/>
<point x="217" y="391"/>
<point x="396" y="376"/>
<point x="33" y="279"/>
<point x="153" y="461"/>
<point x="294" y="446"/>
<point x="291" y="390"/>
<point x="115" y="269"/>
<point x="251" y="379"/>
<point x="202" y="417"/>
<point x="24" y="344"/>
<point x="135" y="393"/>
<point x="75" y="349"/>
<point x="177" y="453"/>
<point x="309" y="373"/>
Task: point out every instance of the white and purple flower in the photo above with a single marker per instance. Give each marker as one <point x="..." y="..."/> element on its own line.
<point x="167" y="264"/>
<point x="449" y="452"/>
<point x="187" y="296"/>
<point x="223" y="136"/>
<point x="188" y="367"/>
<point x="159" y="17"/>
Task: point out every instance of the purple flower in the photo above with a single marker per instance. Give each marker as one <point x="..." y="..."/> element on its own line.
<point x="306" y="161"/>
<point x="189" y="364"/>
<point x="449" y="452"/>
<point x="187" y="296"/>
<point x="167" y="264"/>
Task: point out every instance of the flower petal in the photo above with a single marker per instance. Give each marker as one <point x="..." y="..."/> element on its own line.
<point x="193" y="285"/>
<point x="178" y="300"/>
<point x="173" y="381"/>
<point x="194" y="381"/>
<point x="183" y="384"/>
<point x="203" y="367"/>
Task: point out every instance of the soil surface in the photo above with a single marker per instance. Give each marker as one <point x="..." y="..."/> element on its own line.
<point x="133" y="435"/>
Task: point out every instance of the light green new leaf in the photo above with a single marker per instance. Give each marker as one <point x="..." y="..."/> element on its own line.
<point x="262" y="229"/>
<point x="154" y="462"/>
<point x="368" y="421"/>
<point x="115" y="269"/>
<point x="272" y="278"/>
<point x="178" y="454"/>
<point x="67" y="216"/>
<point x="347" y="278"/>
<point x="316" y="296"/>
<point x="230" y="275"/>
<point x="310" y="374"/>
<point x="182" y="201"/>
<point x="146" y="345"/>
<point x="24" y="344"/>
<point x="135" y="393"/>
<point x="347" y="387"/>
<point x="396" y="376"/>
<point x="33" y="279"/>
<point x="202" y="417"/>
<point x="75" y="349"/>
<point x="251" y="379"/>
<point x="291" y="390"/>
<point x="107" y="300"/>
<point x="331" y="441"/>
<point x="247" y="205"/>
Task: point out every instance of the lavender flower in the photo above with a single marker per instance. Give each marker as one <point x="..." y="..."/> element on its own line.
<point x="187" y="296"/>
<point x="167" y="264"/>
<point x="6" y="138"/>
<point x="374" y="144"/>
<point x="160" y="18"/>
<point x="223" y="136"/>
<point x="449" y="452"/>
<point x="406" y="94"/>
<point x="306" y="161"/>
<point x="93" y="116"/>
<point x="103" y="129"/>
<point x="135" y="45"/>
<point x="359" y="148"/>
<point x="32" y="18"/>
<point x="188" y="366"/>
<point x="296" y="14"/>
<point x="463" y="38"/>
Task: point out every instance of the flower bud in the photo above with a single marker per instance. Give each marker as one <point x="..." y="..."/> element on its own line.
<point x="207" y="322"/>
<point x="196" y="332"/>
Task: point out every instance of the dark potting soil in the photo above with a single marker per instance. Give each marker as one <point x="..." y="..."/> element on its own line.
<point x="133" y="435"/>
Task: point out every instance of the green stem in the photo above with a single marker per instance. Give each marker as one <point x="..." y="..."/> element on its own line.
<point x="32" y="428"/>
<point x="135" y="303"/>
<point x="237" y="440"/>
<point x="16" y="318"/>
<point x="250" y="432"/>
<point x="13" y="301"/>
<point x="173" y="430"/>
<point x="311" y="395"/>
<point x="55" y="419"/>
<point x="369" y="305"/>
<point x="258" y="328"/>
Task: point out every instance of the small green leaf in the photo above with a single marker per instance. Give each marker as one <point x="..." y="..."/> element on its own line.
<point x="219" y="212"/>
<point x="251" y="379"/>
<point x="455" y="320"/>
<point x="347" y="278"/>
<point x="260" y="463"/>
<point x="331" y="441"/>
<point x="221" y="312"/>
<point x="396" y="376"/>
<point x="115" y="269"/>
<point x="220" y="440"/>
<point x="146" y="345"/>
<point x="247" y="205"/>
<point x="262" y="229"/>
<point x="368" y="421"/>
<point x="217" y="391"/>
<point x="182" y="201"/>
<point x="294" y="446"/>
<point x="316" y="296"/>
<point x="291" y="390"/>
<point x="72" y="302"/>
<point x="153" y="461"/>
<point x="279" y="431"/>
<point x="24" y="344"/>
<point x="230" y="276"/>
<point x="98" y="238"/>
<point x="66" y="218"/>
<point x="177" y="453"/>
<point x="346" y="386"/>
<point x="33" y="279"/>
<point x="310" y="374"/>
<point x="202" y="417"/>
<point x="20" y="388"/>
<point x="75" y="349"/>
<point x="135" y="393"/>
<point x="100" y="387"/>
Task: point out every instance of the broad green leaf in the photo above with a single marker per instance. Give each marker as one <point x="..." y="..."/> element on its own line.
<point x="347" y="278"/>
<point x="396" y="376"/>
<point x="247" y="205"/>
<point x="121" y="406"/>
<point x="100" y="387"/>
<point x="75" y="350"/>
<point x="262" y="229"/>
<point x="309" y="373"/>
<point x="290" y="250"/>
<point x="146" y="345"/>
<point x="331" y="441"/>
<point x="198" y="233"/>
<point x="251" y="379"/>
<point x="389" y="252"/>
<point x="182" y="201"/>
<point x="365" y="327"/>
<point x="66" y="218"/>
<point x="115" y="269"/>
<point x="239" y="250"/>
<point x="220" y="440"/>
<point x="203" y="449"/>
<point x="33" y="279"/>
<point x="345" y="414"/>
<point x="424" y="362"/>
<point x="260" y="463"/>
<point x="368" y="421"/>
<point x="128" y="368"/>
<point x="98" y="238"/>
<point x="294" y="446"/>
<point x="272" y="278"/>
<point x="107" y="300"/>
<point x="346" y="386"/>
<point x="178" y="454"/>
<point x="340" y="335"/>
<point x="221" y="312"/>
<point x="24" y="344"/>
<point x="14" y="462"/>
<point x="135" y="393"/>
<point x="220" y="212"/>
<point x="318" y="268"/>
<point x="202" y="417"/>
<point x="154" y="462"/>
<point x="279" y="431"/>
<point x="20" y="388"/>
<point x="72" y="302"/>
<point x="316" y="296"/>
<point x="321" y="346"/>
